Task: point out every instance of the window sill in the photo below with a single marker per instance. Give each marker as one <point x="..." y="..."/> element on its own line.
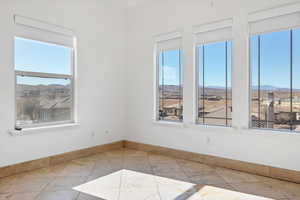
<point x="41" y="129"/>
<point x="168" y="123"/>
<point x="271" y="132"/>
<point x="209" y="126"/>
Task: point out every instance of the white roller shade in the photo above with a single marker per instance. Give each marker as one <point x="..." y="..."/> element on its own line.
<point x="213" y="32"/>
<point x="41" y="31"/>
<point x="168" y="41"/>
<point x="275" y="19"/>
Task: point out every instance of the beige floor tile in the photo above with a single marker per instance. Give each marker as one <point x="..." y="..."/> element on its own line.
<point x="132" y="180"/>
<point x="194" y="169"/>
<point x="259" y="189"/>
<point x="44" y="174"/>
<point x="212" y="178"/>
<point x="58" y="195"/>
<point x="130" y="194"/>
<point x="173" y="188"/>
<point x="166" y="168"/>
<point x="30" y="186"/>
<point x="206" y="192"/>
<point x="4" y="188"/>
<point x="233" y="176"/>
<point x="77" y="168"/>
<point x="83" y="196"/>
<point x="180" y="176"/>
<point x="139" y="168"/>
<point x="97" y="173"/>
<point x="64" y="183"/>
<point x="134" y="175"/>
<point x="292" y="190"/>
<point x="3" y="197"/>
<point x="136" y="161"/>
<point x="23" y="196"/>
<point x="106" y="187"/>
<point x="102" y="164"/>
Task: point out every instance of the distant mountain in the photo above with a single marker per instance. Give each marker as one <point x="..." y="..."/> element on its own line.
<point x="214" y="87"/>
<point x="273" y="88"/>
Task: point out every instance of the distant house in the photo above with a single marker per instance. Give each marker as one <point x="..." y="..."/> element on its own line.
<point x="172" y="110"/>
<point x="211" y="97"/>
<point x="285" y="117"/>
<point x="55" y="111"/>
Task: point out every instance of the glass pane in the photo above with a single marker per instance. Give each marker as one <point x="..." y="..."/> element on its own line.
<point x="170" y="89"/>
<point x="34" y="56"/>
<point x="229" y="89"/>
<point x="254" y="51"/>
<point x="214" y="81"/>
<point x="296" y="80"/>
<point x="42" y="100"/>
<point x="271" y="96"/>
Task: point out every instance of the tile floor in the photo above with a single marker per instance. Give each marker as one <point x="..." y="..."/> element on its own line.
<point x="126" y="174"/>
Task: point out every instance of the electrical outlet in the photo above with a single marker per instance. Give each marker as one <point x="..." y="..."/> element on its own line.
<point x="208" y="140"/>
<point x="93" y="134"/>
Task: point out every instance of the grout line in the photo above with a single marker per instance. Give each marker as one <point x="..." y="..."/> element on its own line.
<point x="153" y="173"/>
<point x="121" y="176"/>
<point x="182" y="169"/>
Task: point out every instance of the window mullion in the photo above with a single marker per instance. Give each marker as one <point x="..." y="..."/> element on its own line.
<point x="226" y="85"/>
<point x="258" y="89"/>
<point x="43" y="75"/>
<point x="203" y="88"/>
<point x="291" y="78"/>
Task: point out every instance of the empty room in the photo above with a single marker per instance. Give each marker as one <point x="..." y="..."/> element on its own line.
<point x="150" y="100"/>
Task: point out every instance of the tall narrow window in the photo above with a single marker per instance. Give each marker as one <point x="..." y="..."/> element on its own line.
<point x="169" y="92"/>
<point x="214" y="83"/>
<point x="275" y="90"/>
<point x="44" y="78"/>
<point x="275" y="66"/>
<point x="213" y="73"/>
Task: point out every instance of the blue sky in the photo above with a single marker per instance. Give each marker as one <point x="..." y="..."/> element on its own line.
<point x="214" y="68"/>
<point x="275" y="61"/>
<point x="214" y="64"/>
<point x="169" y="63"/>
<point x="41" y="57"/>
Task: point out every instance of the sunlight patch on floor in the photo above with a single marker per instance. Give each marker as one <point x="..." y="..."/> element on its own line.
<point x="128" y="184"/>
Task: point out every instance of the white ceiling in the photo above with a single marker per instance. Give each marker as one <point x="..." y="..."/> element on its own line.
<point x="135" y="2"/>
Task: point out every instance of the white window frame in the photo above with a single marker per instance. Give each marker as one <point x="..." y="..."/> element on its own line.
<point x="207" y="28"/>
<point x="276" y="12"/>
<point x="25" y="22"/>
<point x="160" y="39"/>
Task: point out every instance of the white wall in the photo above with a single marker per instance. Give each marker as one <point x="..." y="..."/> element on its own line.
<point x="99" y="27"/>
<point x="162" y="16"/>
<point x="115" y="85"/>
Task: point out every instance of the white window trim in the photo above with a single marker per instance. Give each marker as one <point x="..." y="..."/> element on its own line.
<point x="265" y="14"/>
<point x="40" y="25"/>
<point x="208" y="27"/>
<point x="157" y="39"/>
<point x="33" y="130"/>
<point x="45" y="75"/>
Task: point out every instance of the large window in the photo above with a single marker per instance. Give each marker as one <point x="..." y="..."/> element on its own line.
<point x="275" y="83"/>
<point x="43" y="76"/>
<point x="169" y="105"/>
<point x="170" y="88"/>
<point x="43" y="83"/>
<point x="214" y="105"/>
